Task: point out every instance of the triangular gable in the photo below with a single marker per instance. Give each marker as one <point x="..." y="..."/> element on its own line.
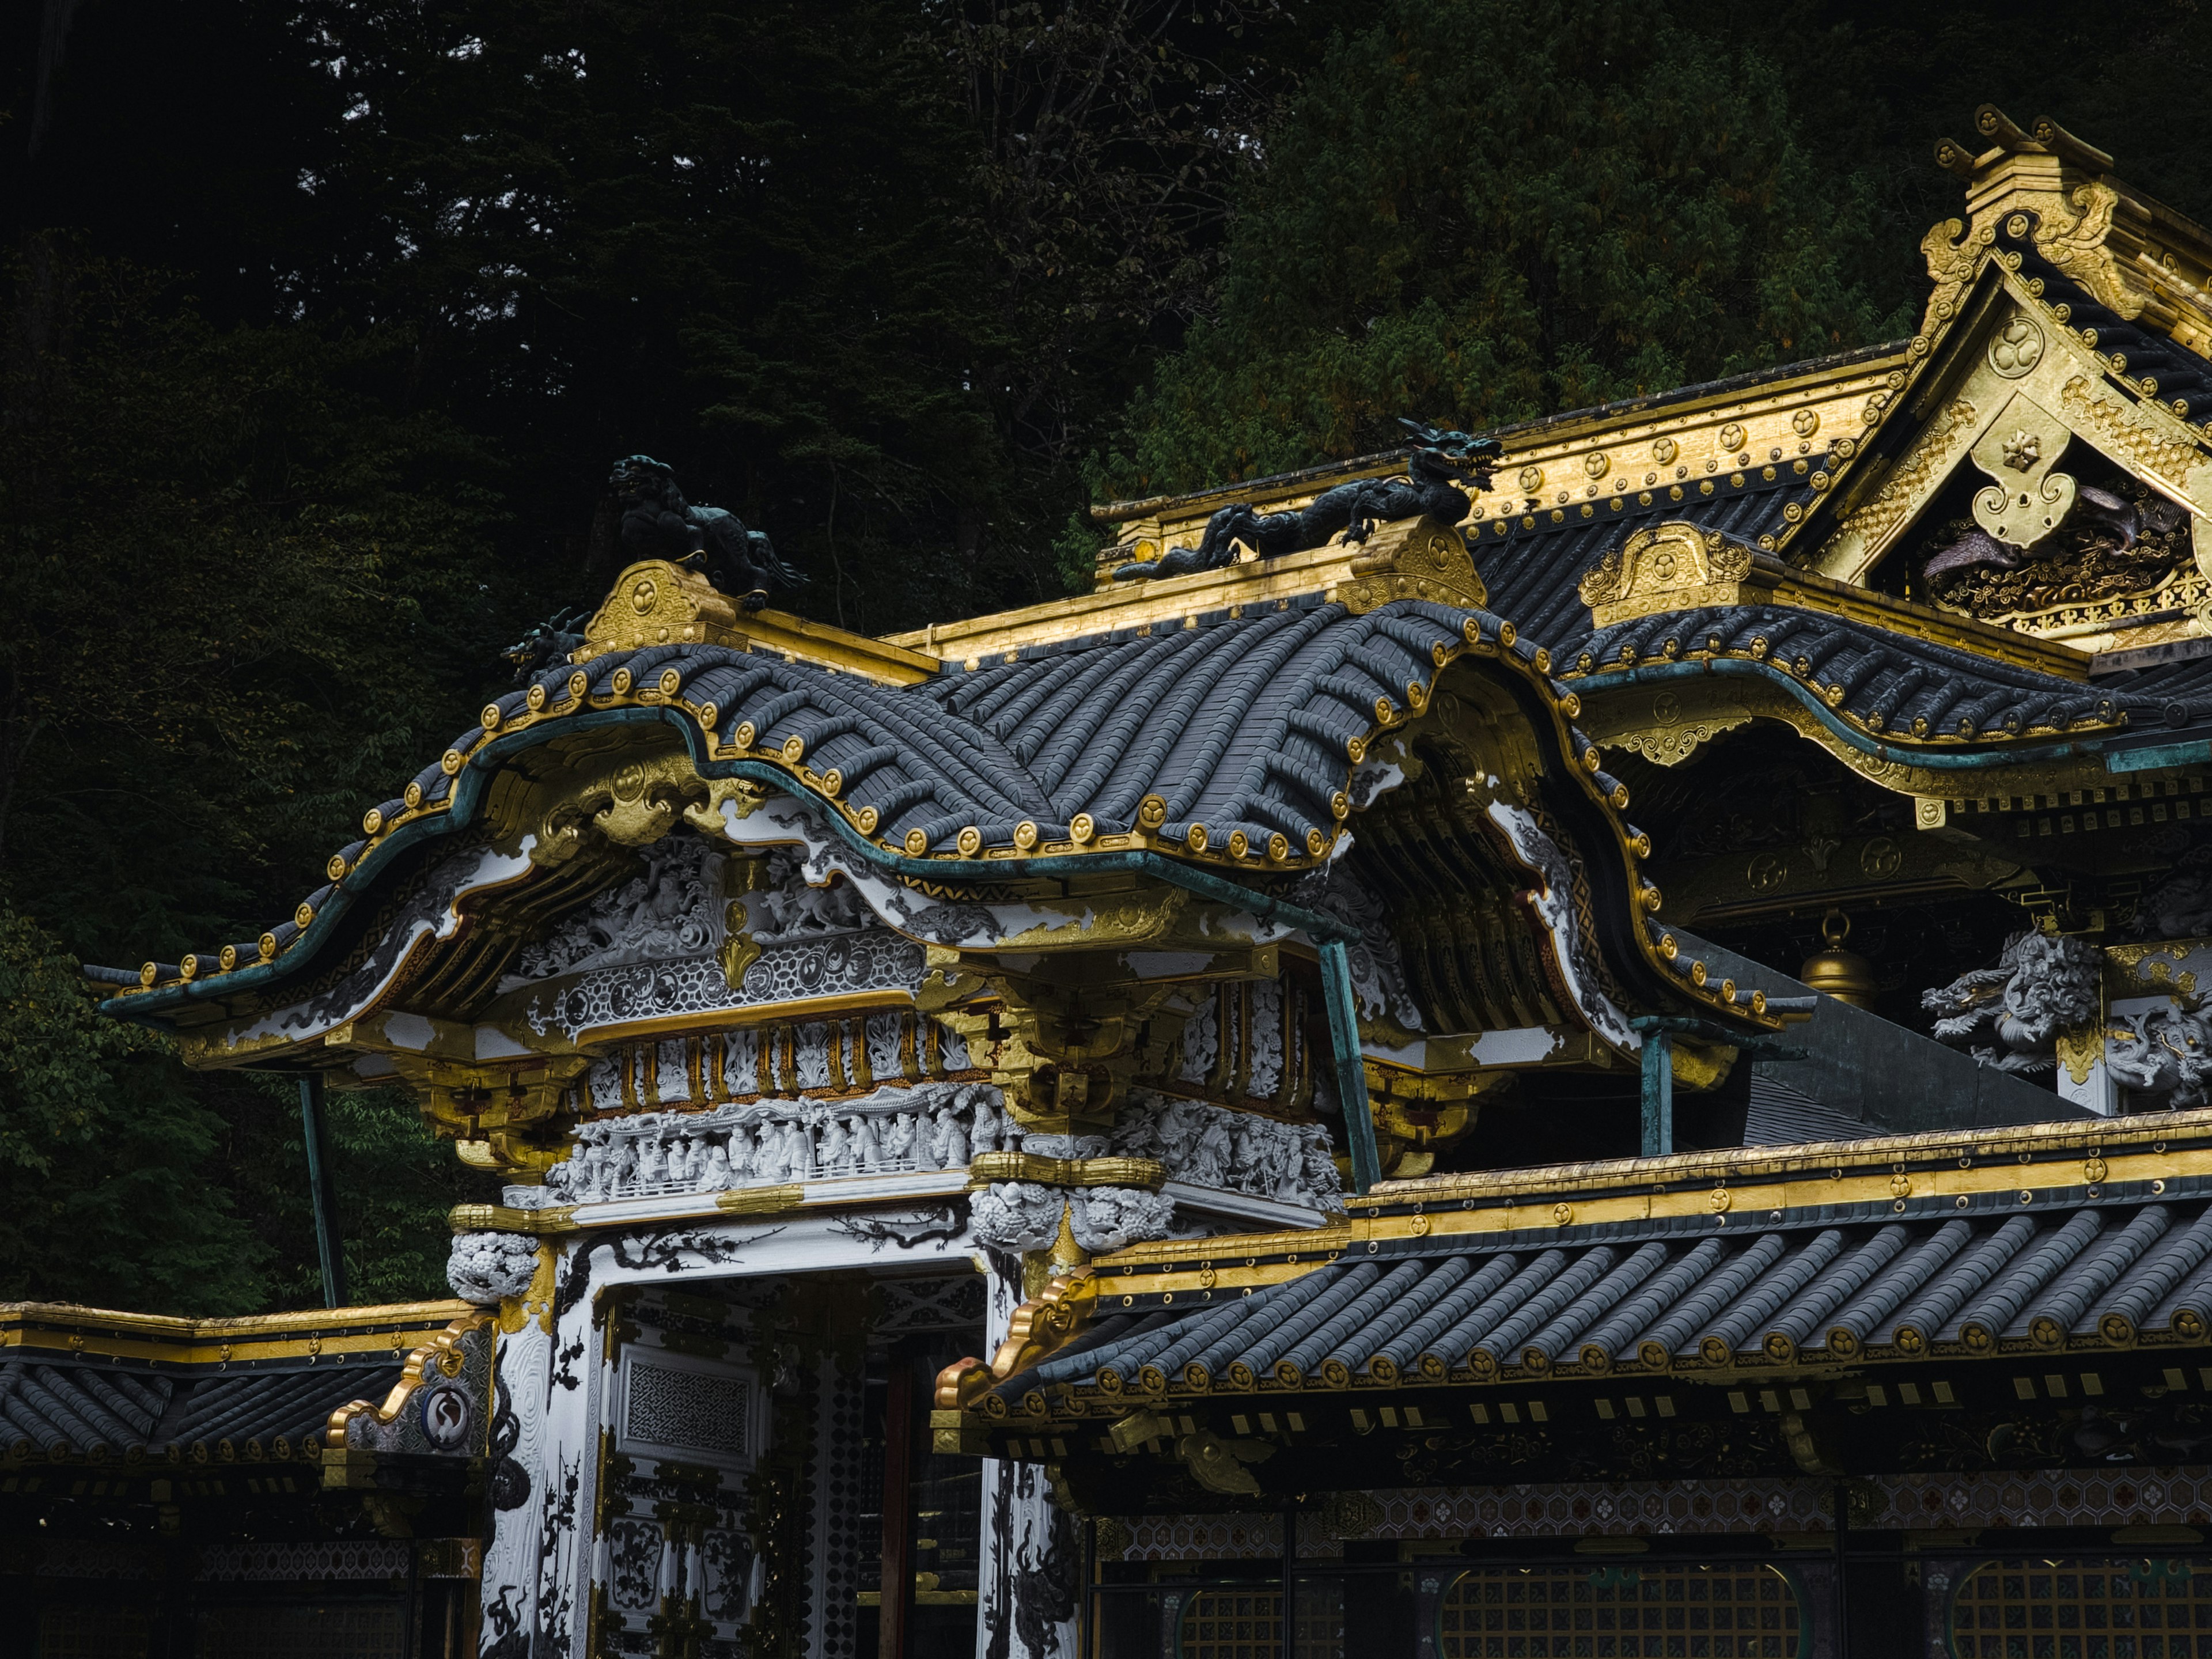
<point x="2067" y="327"/>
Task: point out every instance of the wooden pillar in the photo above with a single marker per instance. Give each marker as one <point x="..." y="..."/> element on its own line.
<point x="895" y="1599"/>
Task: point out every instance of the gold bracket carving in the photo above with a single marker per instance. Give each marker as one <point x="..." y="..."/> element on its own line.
<point x="1422" y="558"/>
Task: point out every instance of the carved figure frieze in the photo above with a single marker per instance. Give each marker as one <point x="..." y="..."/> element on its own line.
<point x="772" y="1141"/>
<point x="1205" y="1146"/>
<point x="2011" y="1016"/>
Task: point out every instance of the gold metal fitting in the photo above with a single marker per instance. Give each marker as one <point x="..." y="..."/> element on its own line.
<point x="970" y="841"/>
<point x="1340" y="806"/>
<point x="490" y="719"/>
<point x="672" y="682"/>
<point x="1239" y="843"/>
<point x="621" y="681"/>
<point x="1316" y="843"/>
<point x="451" y="762"/>
<point x="372" y="821"/>
<point x="1543" y="660"/>
<point x="579" y="683"/>
<point x="303" y="915"/>
<point x="1152" y="811"/>
<point x="710" y="715"/>
<point x="537" y="697"/>
<point x="148" y="973"/>
<point x="336" y="869"/>
<point x="267" y="945"/>
<point x="1081" y="827"/>
<point x="189" y="967"/>
<point x="832" y="782"/>
<point x="1507" y="634"/>
<point x="916" y="843"/>
<point x="1194" y="838"/>
<point x="413" y="794"/>
<point x="794" y="750"/>
<point x="1279" y="847"/>
<point x="744" y="736"/>
<point x="866" y="818"/>
<point x="228" y="958"/>
<point x="1026" y="835"/>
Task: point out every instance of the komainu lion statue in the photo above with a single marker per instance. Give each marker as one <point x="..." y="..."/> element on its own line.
<point x="2043" y="984"/>
<point x="658" y="523"/>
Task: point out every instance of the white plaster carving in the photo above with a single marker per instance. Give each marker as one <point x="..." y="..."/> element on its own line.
<point x="672" y="909"/>
<point x="2163" y="1051"/>
<point x="2042" y="985"/>
<point x="1023" y="1215"/>
<point x="487" y="1267"/>
<point x="766" y="1142"/>
<point x="1378" y="971"/>
<point x="1208" y="1145"/>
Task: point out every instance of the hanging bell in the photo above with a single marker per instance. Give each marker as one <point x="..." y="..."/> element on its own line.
<point x="1844" y="974"/>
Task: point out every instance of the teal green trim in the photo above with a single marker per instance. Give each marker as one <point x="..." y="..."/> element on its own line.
<point x="1329" y="934"/>
<point x="1351" y="1069"/>
<point x="2159" y="756"/>
<point x="1935" y="760"/>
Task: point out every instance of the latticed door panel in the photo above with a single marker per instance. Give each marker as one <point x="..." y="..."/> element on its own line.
<point x="2142" y="1609"/>
<point x="1666" y="1612"/>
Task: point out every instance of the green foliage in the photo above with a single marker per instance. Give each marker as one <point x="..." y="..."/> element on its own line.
<point x="394" y="1186"/>
<point x="105" y="1154"/>
<point x="1482" y="212"/>
<point x="238" y="587"/>
<point x="239" y="590"/>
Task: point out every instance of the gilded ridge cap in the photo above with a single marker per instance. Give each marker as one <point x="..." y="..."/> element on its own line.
<point x="1714" y="569"/>
<point x="1133" y="605"/>
<point x="1569" y="428"/>
<point x="69" y="1315"/>
<point x="2102" y="1137"/>
<point x="1317" y="1242"/>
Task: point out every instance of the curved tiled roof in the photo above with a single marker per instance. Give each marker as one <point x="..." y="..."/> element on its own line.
<point x="2180" y="377"/>
<point x="59" y="1411"/>
<point x="1228" y="740"/>
<point x="1887" y="682"/>
<point x="1674" y="1296"/>
<point x="1533" y="560"/>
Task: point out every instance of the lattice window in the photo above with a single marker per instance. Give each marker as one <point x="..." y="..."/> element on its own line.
<point x="698" y="1411"/>
<point x="92" y="1633"/>
<point x="1238" y="1624"/>
<point x="330" y="1631"/>
<point x="1660" y="1611"/>
<point x="2084" y="1610"/>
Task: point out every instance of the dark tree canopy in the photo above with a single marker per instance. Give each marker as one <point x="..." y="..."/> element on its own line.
<point x="327" y="320"/>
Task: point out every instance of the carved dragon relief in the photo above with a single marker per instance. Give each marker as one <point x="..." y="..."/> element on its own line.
<point x="2031" y="391"/>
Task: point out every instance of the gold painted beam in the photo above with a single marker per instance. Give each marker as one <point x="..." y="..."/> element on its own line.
<point x="39" y="1329"/>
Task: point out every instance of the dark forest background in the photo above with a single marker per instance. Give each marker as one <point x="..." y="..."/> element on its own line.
<point x="324" y="320"/>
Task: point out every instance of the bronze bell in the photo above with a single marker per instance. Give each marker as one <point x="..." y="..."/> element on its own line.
<point x="1844" y="974"/>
